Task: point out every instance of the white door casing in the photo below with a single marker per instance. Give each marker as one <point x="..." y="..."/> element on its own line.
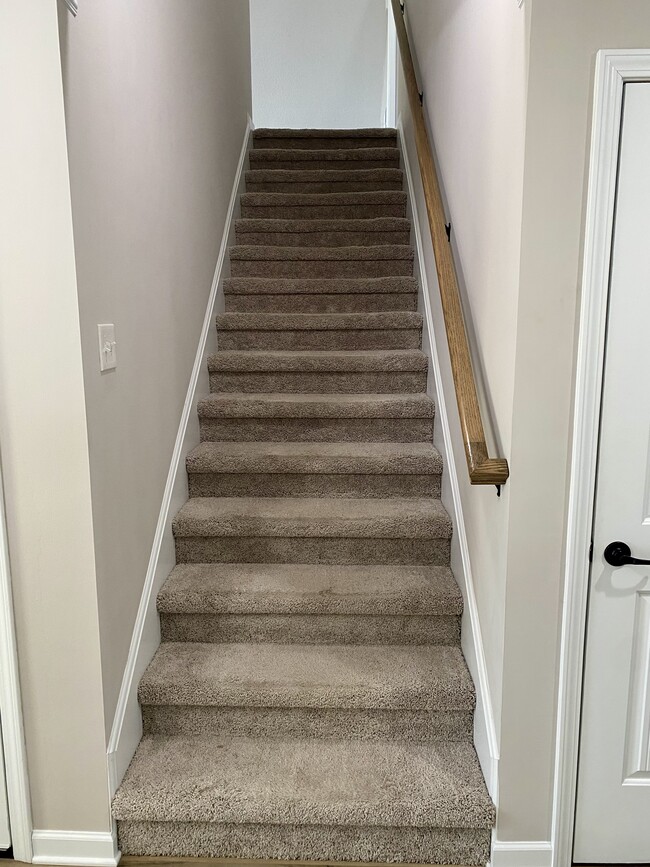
<point x="613" y="795"/>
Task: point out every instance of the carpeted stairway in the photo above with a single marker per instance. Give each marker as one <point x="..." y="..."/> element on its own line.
<point x="309" y="699"/>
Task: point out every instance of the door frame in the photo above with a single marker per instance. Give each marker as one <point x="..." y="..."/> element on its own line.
<point x="614" y="68"/>
<point x="11" y="712"/>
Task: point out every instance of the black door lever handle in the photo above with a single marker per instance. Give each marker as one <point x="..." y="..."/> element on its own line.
<point x="619" y="554"/>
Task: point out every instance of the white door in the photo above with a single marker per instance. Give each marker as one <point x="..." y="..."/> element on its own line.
<point x="613" y="797"/>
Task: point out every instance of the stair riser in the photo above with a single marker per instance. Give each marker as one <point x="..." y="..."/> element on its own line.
<point x="377" y="302"/>
<point x="321" y="268"/>
<point x="366" y="725"/>
<point x="321" y="212"/>
<point x="322" y="430"/>
<point x="348" y="339"/>
<point x="329" y="165"/>
<point x="306" y="842"/>
<point x="338" y="485"/>
<point x="293" y="549"/>
<point x="319" y="383"/>
<point x="322" y="239"/>
<point x="323" y="144"/>
<point x="328" y="186"/>
<point x="310" y="628"/>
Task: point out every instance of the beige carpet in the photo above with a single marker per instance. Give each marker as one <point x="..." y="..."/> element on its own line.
<point x="310" y="699"/>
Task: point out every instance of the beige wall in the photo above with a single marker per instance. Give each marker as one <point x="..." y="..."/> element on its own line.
<point x="564" y="41"/>
<point x="43" y="435"/>
<point x="157" y="95"/>
<point x="472" y="59"/>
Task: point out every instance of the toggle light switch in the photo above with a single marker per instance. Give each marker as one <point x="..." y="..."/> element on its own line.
<point x="107" y="347"/>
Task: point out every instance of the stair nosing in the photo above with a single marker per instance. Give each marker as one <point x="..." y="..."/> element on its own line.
<point x="322" y="285"/>
<point x="322" y="459"/>
<point x="288" y="588"/>
<point x="288" y="404"/>
<point x="313" y="518"/>
<point x="293" y="226"/>
<point x="318" y="361"/>
<point x="271" y="252"/>
<point x="389" y="320"/>
<point x="298" y="198"/>
<point x="268" y="132"/>
<point x="186" y="673"/>
<point x="373" y="154"/>
<point x="432" y="785"/>
<point x="333" y="175"/>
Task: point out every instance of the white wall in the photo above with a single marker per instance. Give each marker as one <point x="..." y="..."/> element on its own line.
<point x="157" y="96"/>
<point x="43" y="435"/>
<point x="318" y="63"/>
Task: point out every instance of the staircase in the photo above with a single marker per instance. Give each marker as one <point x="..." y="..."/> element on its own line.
<point x="310" y="699"/>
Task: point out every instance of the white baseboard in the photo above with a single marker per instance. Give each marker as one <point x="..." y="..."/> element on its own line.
<point x="127" y="724"/>
<point x="485" y="736"/>
<point x="521" y="853"/>
<point x="91" y="848"/>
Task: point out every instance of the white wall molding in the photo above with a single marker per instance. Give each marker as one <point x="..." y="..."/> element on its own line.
<point x="390" y="96"/>
<point x="127" y="724"/>
<point x="521" y="853"/>
<point x="13" y="736"/>
<point x="485" y="734"/>
<point x="72" y="6"/>
<point x="613" y="69"/>
<point x="91" y="848"/>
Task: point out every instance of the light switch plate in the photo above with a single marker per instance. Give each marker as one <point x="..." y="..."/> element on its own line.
<point x="107" y="347"/>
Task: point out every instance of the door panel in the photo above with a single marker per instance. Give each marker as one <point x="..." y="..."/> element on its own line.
<point x="613" y="796"/>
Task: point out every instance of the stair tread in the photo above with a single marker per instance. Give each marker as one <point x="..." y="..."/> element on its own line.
<point x="325" y="285"/>
<point x="271" y="155"/>
<point x="262" y="588"/>
<point x="392" y="319"/>
<point x="384" y="360"/>
<point x="367" y="197"/>
<point x="334" y="176"/>
<point x="396" y="677"/>
<point x="212" y="778"/>
<point x="299" y="405"/>
<point x="314" y="132"/>
<point x="345" y="457"/>
<point x="382" y="252"/>
<point x="313" y="517"/>
<point x="370" y="224"/>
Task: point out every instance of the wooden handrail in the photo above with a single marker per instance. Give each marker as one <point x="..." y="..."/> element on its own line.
<point x="483" y="470"/>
